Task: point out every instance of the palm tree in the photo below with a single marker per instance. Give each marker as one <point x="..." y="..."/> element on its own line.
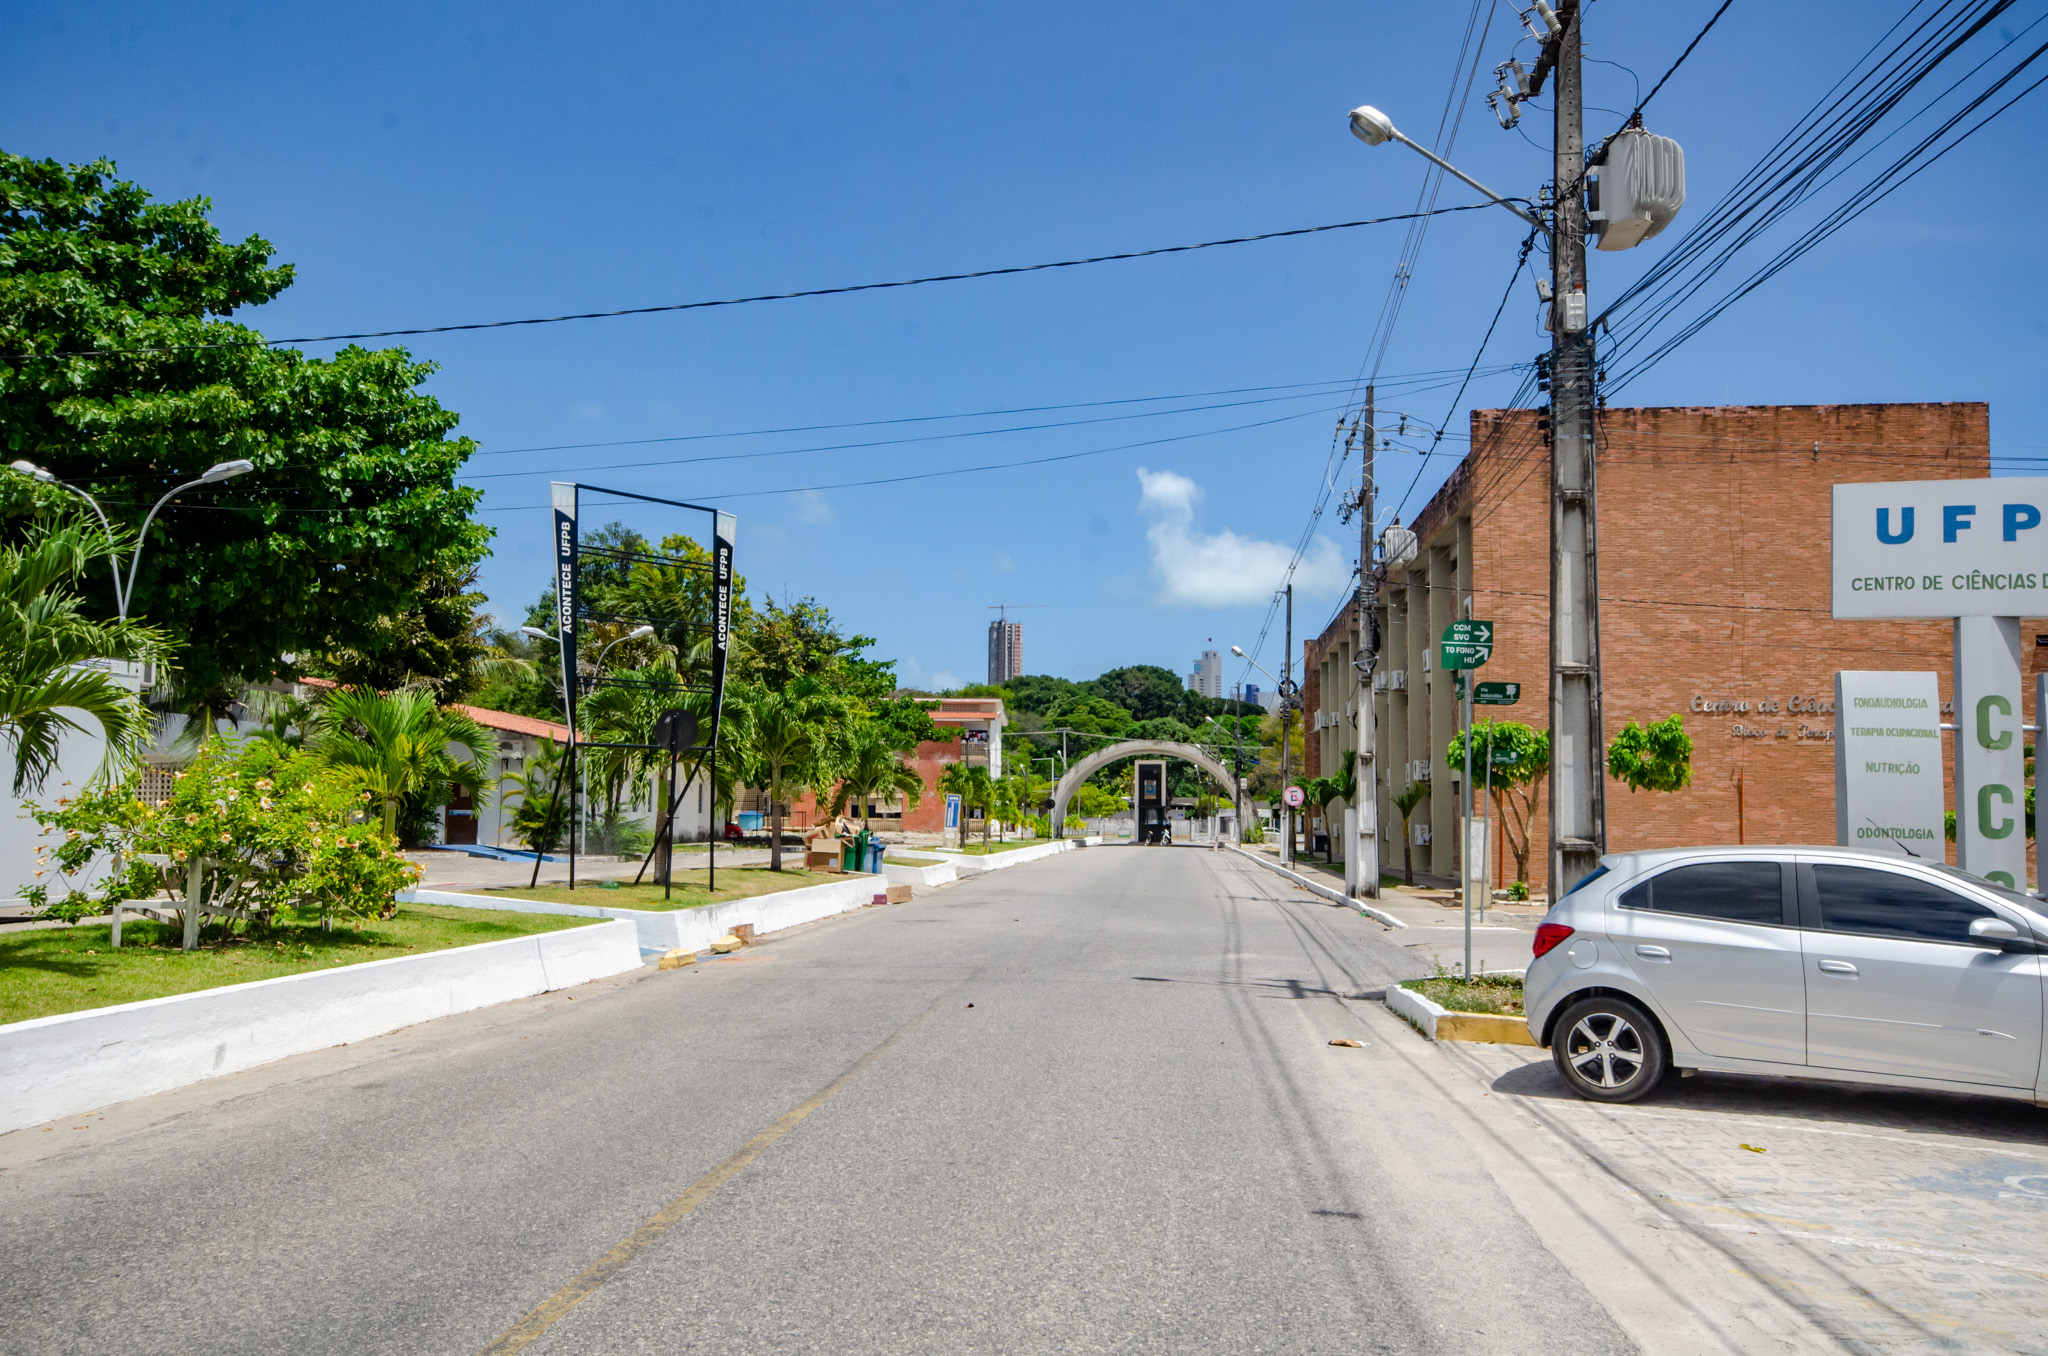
<point x="970" y="782"/>
<point x="542" y="818"/>
<point x="395" y="745"/>
<point x="50" y="653"/>
<point x="1406" y="802"/>
<point x="787" y="748"/>
<point x="869" y="767"/>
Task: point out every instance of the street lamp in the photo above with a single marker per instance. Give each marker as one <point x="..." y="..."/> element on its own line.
<point x="1286" y="689"/>
<point x="1373" y="128"/>
<point x="1236" y="767"/>
<point x="212" y="475"/>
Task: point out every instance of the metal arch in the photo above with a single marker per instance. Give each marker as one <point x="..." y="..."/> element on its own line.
<point x="1101" y="758"/>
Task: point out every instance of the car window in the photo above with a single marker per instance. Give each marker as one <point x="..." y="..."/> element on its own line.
<point x="1885" y="904"/>
<point x="1739" y="892"/>
<point x="1595" y="874"/>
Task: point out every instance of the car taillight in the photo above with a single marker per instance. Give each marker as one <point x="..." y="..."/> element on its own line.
<point x="1549" y="935"/>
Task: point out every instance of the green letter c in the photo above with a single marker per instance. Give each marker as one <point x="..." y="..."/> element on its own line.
<point x="1984" y="737"/>
<point x="1984" y="811"/>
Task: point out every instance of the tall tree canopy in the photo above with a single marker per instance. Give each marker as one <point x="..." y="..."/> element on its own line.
<point x="119" y="374"/>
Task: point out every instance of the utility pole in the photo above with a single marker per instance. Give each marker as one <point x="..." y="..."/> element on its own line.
<point x="1363" y="856"/>
<point x="1287" y="731"/>
<point x="1578" y="799"/>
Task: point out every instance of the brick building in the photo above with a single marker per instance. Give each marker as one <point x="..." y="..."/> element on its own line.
<point x="980" y="721"/>
<point x="1714" y="603"/>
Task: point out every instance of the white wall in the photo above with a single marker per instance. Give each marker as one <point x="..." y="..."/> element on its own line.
<point x="62" y="1065"/>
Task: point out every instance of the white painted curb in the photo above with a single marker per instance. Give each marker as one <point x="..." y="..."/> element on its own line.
<point x="1317" y="887"/>
<point x="76" y="1061"/>
<point x="1417" y="1009"/>
<point x="938" y="873"/>
<point x="693" y="929"/>
<point x="969" y="864"/>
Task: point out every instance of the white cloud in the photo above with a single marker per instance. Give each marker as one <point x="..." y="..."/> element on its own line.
<point x="1222" y="569"/>
<point x="1004" y="563"/>
<point x="590" y="409"/>
<point x="813" y="508"/>
<point x="913" y="674"/>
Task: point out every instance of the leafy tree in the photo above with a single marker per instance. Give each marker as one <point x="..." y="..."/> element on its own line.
<point x="1092" y="802"/>
<point x="440" y="643"/>
<point x="395" y="746"/>
<point x="1517" y="777"/>
<point x="1090" y="715"/>
<point x="48" y="645"/>
<point x="1145" y="690"/>
<point x="1405" y="800"/>
<point x="1035" y="693"/>
<point x="1655" y="757"/>
<point x="1163" y="728"/>
<point x="906" y="722"/>
<point x="125" y="380"/>
<point x="781" y="643"/>
<point x="271" y="830"/>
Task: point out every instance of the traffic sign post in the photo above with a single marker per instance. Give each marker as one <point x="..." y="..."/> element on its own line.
<point x="1466" y="644"/>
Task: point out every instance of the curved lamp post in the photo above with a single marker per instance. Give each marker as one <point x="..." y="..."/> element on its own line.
<point x="212" y="475"/>
<point x="1373" y="128"/>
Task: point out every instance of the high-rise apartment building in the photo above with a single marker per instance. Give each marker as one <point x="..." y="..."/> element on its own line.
<point x="1005" y="650"/>
<point x="1207" y="676"/>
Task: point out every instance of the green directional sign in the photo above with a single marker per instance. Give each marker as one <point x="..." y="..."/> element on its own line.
<point x="1497" y="694"/>
<point x="1466" y="645"/>
<point x="1503" y="757"/>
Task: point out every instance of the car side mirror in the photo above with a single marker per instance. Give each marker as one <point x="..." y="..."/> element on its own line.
<point x="1998" y="932"/>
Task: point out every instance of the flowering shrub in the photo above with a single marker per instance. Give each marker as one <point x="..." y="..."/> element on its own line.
<point x="273" y="831"/>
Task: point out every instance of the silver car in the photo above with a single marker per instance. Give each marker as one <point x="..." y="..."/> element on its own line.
<point x="1815" y="962"/>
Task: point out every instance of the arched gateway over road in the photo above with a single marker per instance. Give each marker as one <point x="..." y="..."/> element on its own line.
<point x="1130" y="748"/>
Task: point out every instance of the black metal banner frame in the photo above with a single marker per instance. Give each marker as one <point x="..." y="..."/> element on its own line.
<point x="571" y="610"/>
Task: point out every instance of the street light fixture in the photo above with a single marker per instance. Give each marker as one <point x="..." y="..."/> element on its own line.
<point x="1374" y="128"/>
<point x="212" y="475"/>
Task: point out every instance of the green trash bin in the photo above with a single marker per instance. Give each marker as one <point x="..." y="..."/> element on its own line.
<point x="855" y="856"/>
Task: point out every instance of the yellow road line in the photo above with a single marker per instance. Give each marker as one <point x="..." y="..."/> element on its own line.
<point x="556" y="1307"/>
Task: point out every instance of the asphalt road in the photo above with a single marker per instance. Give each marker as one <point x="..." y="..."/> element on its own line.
<point x="1083" y="1105"/>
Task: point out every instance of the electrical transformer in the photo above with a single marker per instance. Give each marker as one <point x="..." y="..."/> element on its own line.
<point x="1636" y="189"/>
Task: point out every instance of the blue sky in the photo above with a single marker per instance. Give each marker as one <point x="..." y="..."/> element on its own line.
<point x="434" y="163"/>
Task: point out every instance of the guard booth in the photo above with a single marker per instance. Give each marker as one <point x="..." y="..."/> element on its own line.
<point x="1148" y="790"/>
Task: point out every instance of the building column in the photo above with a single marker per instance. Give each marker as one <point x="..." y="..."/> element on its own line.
<point x="1391" y="762"/>
<point x="1443" y="804"/>
<point x="1418" y="686"/>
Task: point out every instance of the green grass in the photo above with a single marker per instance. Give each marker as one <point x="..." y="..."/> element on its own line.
<point x="974" y="847"/>
<point x="1500" y="994"/>
<point x="691" y="890"/>
<point x="55" y="970"/>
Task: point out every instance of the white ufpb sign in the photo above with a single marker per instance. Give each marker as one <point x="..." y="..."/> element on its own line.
<point x="1941" y="548"/>
<point x="1888" y="763"/>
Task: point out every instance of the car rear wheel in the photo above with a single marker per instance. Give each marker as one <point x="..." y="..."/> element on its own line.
<point x="1609" y="1050"/>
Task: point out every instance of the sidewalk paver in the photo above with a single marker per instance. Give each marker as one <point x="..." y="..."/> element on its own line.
<point x="1892" y="1221"/>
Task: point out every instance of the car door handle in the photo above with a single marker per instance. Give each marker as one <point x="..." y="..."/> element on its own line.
<point x="1654" y="952"/>
<point x="1835" y="967"/>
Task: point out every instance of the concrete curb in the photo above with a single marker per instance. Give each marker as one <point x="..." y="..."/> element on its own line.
<point x="77" y="1061"/>
<point x="1439" y="1023"/>
<point x="970" y="864"/>
<point x="1317" y="887"/>
<point x="693" y="929"/>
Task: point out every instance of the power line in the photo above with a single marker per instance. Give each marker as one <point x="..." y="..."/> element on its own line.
<point x="970" y="470"/>
<point x="771" y="296"/>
